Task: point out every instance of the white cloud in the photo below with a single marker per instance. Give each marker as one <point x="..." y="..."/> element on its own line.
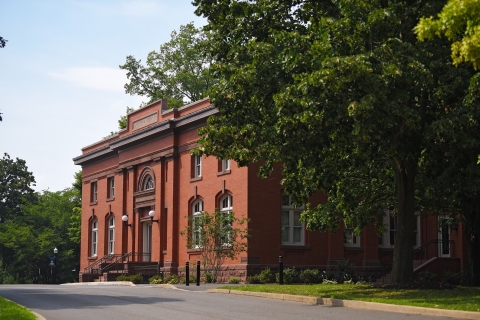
<point x="100" y="78"/>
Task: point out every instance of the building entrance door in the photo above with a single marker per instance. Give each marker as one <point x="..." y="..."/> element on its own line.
<point x="443" y="237"/>
<point x="147" y="241"/>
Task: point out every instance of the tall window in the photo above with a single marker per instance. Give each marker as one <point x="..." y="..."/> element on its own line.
<point x="197" y="212"/>
<point x="226" y="206"/>
<point x="111" y="235"/>
<point x="197" y="166"/>
<point x="94" y="237"/>
<point x="148" y="184"/>
<point x="349" y="239"/>
<point x="111" y="188"/>
<point x="292" y="229"/>
<point x="225" y="165"/>
<point x="387" y="239"/>
<point x="93" y="192"/>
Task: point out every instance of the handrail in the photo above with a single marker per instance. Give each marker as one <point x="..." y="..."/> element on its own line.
<point x="124" y="257"/>
<point x="97" y="263"/>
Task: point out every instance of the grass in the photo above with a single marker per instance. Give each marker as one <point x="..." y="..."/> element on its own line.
<point x="10" y="310"/>
<point x="461" y="298"/>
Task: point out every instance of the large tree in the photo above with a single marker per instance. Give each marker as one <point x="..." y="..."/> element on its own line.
<point x="179" y="71"/>
<point x="16" y="184"/>
<point x="341" y="93"/>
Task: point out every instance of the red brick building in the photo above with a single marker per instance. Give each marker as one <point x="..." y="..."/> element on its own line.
<point x="147" y="168"/>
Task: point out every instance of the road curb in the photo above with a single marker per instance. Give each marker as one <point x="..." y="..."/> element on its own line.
<point x="356" y="304"/>
<point x="106" y="283"/>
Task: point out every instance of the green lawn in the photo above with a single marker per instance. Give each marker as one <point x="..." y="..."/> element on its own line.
<point x="10" y="310"/>
<point x="461" y="298"/>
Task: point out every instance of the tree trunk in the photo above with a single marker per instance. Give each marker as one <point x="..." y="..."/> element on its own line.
<point x="405" y="173"/>
<point x="471" y="219"/>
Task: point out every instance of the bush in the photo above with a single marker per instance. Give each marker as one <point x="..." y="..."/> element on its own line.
<point x="123" y="277"/>
<point x="451" y="278"/>
<point x="344" y="272"/>
<point x="311" y="276"/>
<point x="155" y="280"/>
<point x="289" y="275"/>
<point x="136" y="278"/>
<point x="209" y="277"/>
<point x="191" y="278"/>
<point x="171" y="279"/>
<point x="254" y="279"/>
<point x="426" y="277"/>
<point x="266" y="276"/>
<point x="9" y="279"/>
<point x="234" y="280"/>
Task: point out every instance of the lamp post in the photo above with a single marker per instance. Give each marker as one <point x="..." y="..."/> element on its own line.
<point x="55" y="251"/>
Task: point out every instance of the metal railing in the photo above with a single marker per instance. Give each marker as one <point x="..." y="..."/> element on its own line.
<point x="90" y="269"/>
<point x="126" y="258"/>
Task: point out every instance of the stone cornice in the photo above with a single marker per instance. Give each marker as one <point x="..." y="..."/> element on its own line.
<point x="152" y="132"/>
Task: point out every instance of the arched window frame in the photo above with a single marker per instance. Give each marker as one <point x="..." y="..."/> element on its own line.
<point x="94" y="238"/>
<point x="197" y="213"/>
<point x="111" y="235"/>
<point x="149" y="184"/>
<point x="226" y="208"/>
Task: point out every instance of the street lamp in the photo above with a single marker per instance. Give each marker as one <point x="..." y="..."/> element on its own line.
<point x="152" y="214"/>
<point x="55" y="251"/>
<point x="125" y="219"/>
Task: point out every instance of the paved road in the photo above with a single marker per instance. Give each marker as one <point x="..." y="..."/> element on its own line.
<point x="149" y="302"/>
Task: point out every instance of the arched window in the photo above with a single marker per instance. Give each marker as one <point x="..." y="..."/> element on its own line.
<point x="94" y="237"/>
<point x="148" y="183"/>
<point x="226" y="206"/>
<point x="197" y="213"/>
<point x="111" y="235"/>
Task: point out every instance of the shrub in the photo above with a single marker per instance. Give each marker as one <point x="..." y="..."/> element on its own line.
<point x="266" y="276"/>
<point x="289" y="275"/>
<point x="451" y="278"/>
<point x="311" y="276"/>
<point x="123" y="277"/>
<point x="209" y="277"/>
<point x="171" y="279"/>
<point x="234" y="280"/>
<point x="192" y="278"/>
<point x="326" y="281"/>
<point x="155" y="280"/>
<point x="426" y="277"/>
<point x="136" y="278"/>
<point x="254" y="279"/>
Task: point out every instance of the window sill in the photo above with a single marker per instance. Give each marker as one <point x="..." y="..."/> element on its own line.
<point x="294" y="247"/>
<point x="110" y="199"/>
<point x="353" y="248"/>
<point x="221" y="173"/>
<point x="194" y="250"/>
<point x="92" y="258"/>
<point x="93" y="203"/>
<point x="196" y="179"/>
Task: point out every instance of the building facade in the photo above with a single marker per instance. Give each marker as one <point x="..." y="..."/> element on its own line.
<point x="147" y="176"/>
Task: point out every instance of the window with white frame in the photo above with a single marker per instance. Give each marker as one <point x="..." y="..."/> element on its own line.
<point x="226" y="207"/>
<point x="111" y="235"/>
<point x="387" y="239"/>
<point x="349" y="238"/>
<point x="293" y="230"/>
<point x="94" y="238"/>
<point x="197" y="166"/>
<point x="225" y="165"/>
<point x="111" y="187"/>
<point x="197" y="213"/>
<point x="148" y="183"/>
<point x="93" y="194"/>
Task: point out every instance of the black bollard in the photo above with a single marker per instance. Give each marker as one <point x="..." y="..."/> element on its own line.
<point x="187" y="273"/>
<point x="280" y="267"/>
<point x="198" y="273"/>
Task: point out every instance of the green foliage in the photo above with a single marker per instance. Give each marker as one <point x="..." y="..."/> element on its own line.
<point x="123" y="277"/>
<point x="11" y="310"/>
<point x="15" y="187"/>
<point x="136" y="278"/>
<point x="234" y="280"/>
<point x="266" y="276"/>
<point x="254" y="279"/>
<point x="192" y="278"/>
<point x="459" y="21"/>
<point x="344" y="272"/>
<point x="172" y="279"/>
<point x="452" y="278"/>
<point x="155" y="279"/>
<point x="122" y="122"/>
<point x="311" y="276"/>
<point x="289" y="275"/>
<point x="220" y="236"/>
<point x="178" y="71"/>
<point x="426" y="277"/>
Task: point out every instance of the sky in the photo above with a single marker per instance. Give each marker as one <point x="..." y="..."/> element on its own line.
<point x="60" y="85"/>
